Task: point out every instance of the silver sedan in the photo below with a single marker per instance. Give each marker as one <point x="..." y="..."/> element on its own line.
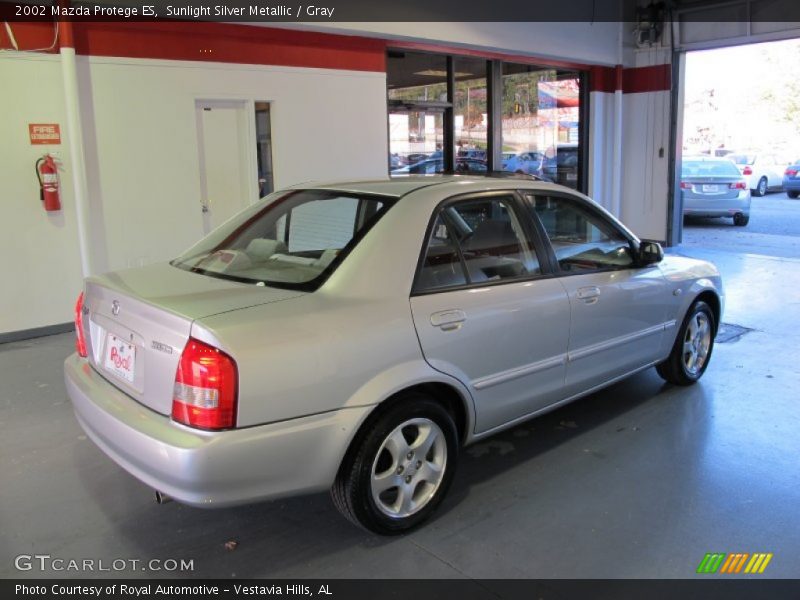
<point x="354" y="336"/>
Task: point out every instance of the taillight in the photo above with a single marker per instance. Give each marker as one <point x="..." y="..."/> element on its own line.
<point x="790" y="172"/>
<point x="739" y="185"/>
<point x="685" y="185"/>
<point x="80" y="340"/>
<point x="748" y="170"/>
<point x="205" y="389"/>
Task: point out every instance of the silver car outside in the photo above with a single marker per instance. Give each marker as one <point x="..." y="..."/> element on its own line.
<point x="713" y="187"/>
<point x="320" y="372"/>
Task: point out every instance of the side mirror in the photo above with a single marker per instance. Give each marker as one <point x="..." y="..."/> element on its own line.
<point x="650" y="253"/>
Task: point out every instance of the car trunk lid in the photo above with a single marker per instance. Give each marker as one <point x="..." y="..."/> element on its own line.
<point x="137" y="322"/>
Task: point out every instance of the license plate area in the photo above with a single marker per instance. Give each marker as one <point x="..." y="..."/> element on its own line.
<point x="710" y="188"/>
<point x="120" y="358"/>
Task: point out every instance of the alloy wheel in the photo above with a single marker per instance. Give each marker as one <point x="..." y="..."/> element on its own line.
<point x="409" y="468"/>
<point x="696" y="343"/>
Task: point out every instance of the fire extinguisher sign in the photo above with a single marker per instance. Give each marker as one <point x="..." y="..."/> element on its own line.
<point x="44" y="133"/>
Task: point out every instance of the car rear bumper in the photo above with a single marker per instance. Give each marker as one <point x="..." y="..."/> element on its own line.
<point x="210" y="469"/>
<point x="713" y="207"/>
<point x="791" y="185"/>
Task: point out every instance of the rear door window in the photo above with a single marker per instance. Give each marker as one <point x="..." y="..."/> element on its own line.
<point x="477" y="241"/>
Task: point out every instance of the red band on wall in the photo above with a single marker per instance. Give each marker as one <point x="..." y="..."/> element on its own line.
<point x="647" y="79"/>
<point x="222" y="42"/>
<point x="608" y="80"/>
<point x="30" y="35"/>
<point x="603" y="79"/>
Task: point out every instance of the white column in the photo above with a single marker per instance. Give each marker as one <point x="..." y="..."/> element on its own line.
<point x="76" y="150"/>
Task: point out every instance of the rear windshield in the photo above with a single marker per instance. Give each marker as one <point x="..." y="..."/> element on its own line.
<point x="290" y="240"/>
<point x="742" y="159"/>
<point x="709" y="168"/>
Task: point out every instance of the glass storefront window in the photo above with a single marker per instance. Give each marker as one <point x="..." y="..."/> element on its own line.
<point x="471" y="113"/>
<point x="541" y="122"/>
<point x="537" y="130"/>
<point x="417" y="95"/>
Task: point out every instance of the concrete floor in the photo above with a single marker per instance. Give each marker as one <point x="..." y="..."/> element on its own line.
<point x="640" y="480"/>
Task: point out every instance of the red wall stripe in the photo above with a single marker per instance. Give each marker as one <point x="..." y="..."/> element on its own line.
<point x="603" y="79"/>
<point x="657" y="78"/>
<point x="222" y="42"/>
<point x="30" y="35"/>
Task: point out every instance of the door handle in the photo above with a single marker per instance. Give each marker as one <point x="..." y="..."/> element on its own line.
<point x="447" y="320"/>
<point x="589" y="293"/>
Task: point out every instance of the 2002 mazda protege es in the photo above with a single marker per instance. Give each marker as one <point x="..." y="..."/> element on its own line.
<point x="353" y="336"/>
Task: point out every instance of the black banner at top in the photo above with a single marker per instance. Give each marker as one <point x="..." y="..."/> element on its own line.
<point x="322" y="11"/>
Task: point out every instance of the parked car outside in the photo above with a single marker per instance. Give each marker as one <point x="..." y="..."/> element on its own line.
<point x="763" y="170"/>
<point x="473" y="153"/>
<point x="333" y="337"/>
<point x="714" y="187"/>
<point x="432" y="166"/>
<point x="791" y="179"/>
<point x="560" y="165"/>
<point x="396" y="161"/>
<point x="529" y="163"/>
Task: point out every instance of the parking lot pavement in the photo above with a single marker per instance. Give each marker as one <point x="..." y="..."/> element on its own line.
<point x="774" y="230"/>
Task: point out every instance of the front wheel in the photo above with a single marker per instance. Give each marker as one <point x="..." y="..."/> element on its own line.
<point x="692" y="350"/>
<point x="401" y="468"/>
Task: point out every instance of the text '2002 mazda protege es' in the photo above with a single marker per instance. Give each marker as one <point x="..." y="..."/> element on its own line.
<point x="353" y="336"/>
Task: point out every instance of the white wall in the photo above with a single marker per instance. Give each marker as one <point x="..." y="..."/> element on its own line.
<point x="142" y="160"/>
<point x="646" y="152"/>
<point x="40" y="257"/>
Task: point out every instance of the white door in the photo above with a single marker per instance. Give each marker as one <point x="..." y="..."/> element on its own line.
<point x="226" y="153"/>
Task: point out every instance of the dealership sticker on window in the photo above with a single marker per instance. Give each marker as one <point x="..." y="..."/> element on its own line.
<point x="44" y="133"/>
<point x="120" y="358"/>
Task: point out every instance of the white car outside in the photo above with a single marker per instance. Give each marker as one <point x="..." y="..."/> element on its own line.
<point x="762" y="170"/>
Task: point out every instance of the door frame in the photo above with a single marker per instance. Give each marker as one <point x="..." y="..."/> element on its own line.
<point x="246" y="130"/>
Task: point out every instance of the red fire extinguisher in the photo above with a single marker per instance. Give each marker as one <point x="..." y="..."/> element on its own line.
<point x="47" y="174"/>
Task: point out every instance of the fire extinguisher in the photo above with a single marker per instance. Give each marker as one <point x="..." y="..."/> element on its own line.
<point x="47" y="174"/>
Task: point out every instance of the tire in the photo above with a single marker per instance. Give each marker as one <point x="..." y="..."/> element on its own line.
<point x="793" y="194"/>
<point x="687" y="362"/>
<point x="385" y="457"/>
<point x="741" y="220"/>
<point x="761" y="188"/>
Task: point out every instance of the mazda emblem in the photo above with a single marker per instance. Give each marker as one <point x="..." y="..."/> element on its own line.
<point x="115" y="308"/>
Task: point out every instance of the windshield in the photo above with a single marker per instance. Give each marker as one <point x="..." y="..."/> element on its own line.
<point x="709" y="168"/>
<point x="291" y="239"/>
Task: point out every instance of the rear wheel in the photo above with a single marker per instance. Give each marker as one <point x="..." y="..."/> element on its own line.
<point x="793" y="194"/>
<point x="692" y="350"/>
<point x="740" y="219"/>
<point x="761" y="188"/>
<point x="401" y="468"/>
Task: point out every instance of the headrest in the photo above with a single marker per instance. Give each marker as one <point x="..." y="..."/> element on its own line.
<point x="262" y="249"/>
